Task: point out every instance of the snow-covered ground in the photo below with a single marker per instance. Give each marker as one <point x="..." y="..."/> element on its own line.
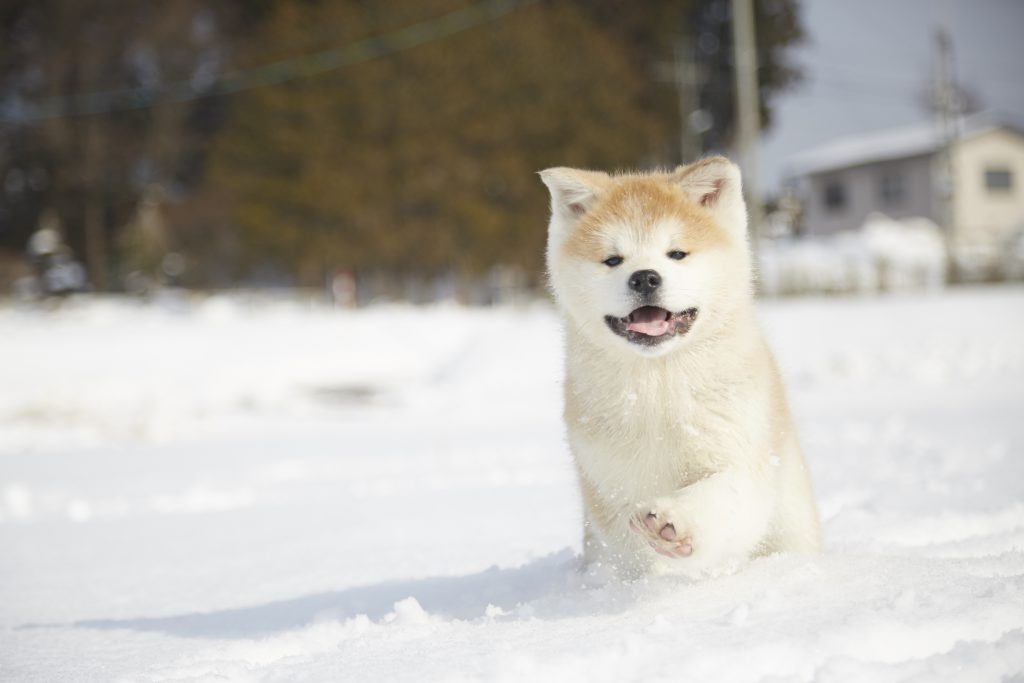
<point x="226" y="490"/>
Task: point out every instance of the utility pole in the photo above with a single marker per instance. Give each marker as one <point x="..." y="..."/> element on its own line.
<point x="686" y="87"/>
<point x="93" y="150"/>
<point x="95" y="229"/>
<point x="748" y="116"/>
<point x="946" y="110"/>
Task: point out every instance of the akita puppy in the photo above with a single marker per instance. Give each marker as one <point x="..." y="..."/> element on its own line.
<point x="687" y="458"/>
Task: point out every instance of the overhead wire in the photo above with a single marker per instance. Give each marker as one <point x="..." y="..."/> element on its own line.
<point x="282" y="71"/>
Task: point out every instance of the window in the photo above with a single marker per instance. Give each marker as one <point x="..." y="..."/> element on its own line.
<point x="998" y="179"/>
<point x="835" y="196"/>
<point x="891" y="189"/>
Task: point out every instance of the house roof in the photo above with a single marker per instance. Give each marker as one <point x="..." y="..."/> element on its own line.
<point x="890" y="144"/>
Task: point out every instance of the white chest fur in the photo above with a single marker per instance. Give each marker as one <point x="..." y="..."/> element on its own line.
<point x="650" y="426"/>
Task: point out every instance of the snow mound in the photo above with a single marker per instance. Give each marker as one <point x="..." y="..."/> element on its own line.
<point x="883" y="255"/>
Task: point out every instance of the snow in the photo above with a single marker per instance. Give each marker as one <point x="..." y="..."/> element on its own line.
<point x="884" y="254"/>
<point x="239" y="489"/>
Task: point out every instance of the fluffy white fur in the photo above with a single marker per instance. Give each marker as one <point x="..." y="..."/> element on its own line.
<point x="687" y="458"/>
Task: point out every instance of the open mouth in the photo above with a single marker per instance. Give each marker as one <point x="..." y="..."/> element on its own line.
<point x="652" y="325"/>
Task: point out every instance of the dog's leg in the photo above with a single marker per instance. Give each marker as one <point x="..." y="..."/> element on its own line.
<point x="710" y="523"/>
<point x="603" y="551"/>
<point x="592" y="546"/>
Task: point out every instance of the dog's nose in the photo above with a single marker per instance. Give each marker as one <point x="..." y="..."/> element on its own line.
<point x="644" y="281"/>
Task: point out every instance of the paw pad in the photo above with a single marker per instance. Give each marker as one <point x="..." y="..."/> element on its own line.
<point x="662" y="537"/>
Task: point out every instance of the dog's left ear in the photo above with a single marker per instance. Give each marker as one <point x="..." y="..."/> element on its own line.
<point x="715" y="184"/>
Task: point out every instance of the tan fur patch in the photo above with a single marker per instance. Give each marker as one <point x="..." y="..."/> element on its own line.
<point x="638" y="203"/>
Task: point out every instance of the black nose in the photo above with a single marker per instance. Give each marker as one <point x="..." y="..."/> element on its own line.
<point x="644" y="281"/>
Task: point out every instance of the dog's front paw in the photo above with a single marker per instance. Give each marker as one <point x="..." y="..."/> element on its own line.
<point x="664" y="532"/>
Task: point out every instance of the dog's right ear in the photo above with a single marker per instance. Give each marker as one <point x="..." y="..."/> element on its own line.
<point x="573" y="192"/>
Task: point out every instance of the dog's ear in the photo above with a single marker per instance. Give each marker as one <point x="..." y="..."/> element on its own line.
<point x="715" y="184"/>
<point x="573" y="192"/>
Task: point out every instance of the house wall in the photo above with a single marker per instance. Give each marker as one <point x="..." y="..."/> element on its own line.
<point x="987" y="217"/>
<point x="863" y="194"/>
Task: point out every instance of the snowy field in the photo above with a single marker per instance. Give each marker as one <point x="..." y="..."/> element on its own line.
<point x="230" y="490"/>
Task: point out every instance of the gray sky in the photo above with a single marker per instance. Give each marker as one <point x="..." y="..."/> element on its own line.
<point x="866" y="60"/>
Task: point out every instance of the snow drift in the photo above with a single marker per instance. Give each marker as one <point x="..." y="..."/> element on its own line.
<point x="219" y="490"/>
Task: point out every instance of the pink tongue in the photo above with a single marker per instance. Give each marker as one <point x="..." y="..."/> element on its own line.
<point x="654" y="328"/>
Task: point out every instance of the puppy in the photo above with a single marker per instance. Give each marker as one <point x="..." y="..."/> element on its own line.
<point x="686" y="454"/>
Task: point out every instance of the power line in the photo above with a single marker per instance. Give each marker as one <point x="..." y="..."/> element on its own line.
<point x="904" y="94"/>
<point x="283" y="71"/>
<point x="870" y="79"/>
<point x="1001" y="73"/>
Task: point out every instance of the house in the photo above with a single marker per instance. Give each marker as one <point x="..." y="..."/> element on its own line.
<point x="899" y="172"/>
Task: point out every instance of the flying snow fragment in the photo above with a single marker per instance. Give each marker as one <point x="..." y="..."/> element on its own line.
<point x="408" y="611"/>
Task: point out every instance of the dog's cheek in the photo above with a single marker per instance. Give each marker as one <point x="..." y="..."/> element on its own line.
<point x="571" y="284"/>
<point x="685" y="289"/>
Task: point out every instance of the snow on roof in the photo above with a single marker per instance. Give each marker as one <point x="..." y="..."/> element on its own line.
<point x="886" y="145"/>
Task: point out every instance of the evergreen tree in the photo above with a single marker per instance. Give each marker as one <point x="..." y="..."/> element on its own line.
<point x="417" y="156"/>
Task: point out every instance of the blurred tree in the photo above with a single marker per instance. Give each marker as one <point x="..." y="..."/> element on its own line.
<point x="420" y="160"/>
<point x="423" y="161"/>
<point x="778" y="29"/>
<point x="77" y="135"/>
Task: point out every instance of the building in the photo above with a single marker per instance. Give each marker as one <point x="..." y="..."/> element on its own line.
<point x="899" y="173"/>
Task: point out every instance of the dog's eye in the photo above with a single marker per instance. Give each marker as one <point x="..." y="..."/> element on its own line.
<point x="677" y="255"/>
<point x="612" y="261"/>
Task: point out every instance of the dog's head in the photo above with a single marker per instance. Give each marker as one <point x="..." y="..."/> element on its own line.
<point x="645" y="262"/>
